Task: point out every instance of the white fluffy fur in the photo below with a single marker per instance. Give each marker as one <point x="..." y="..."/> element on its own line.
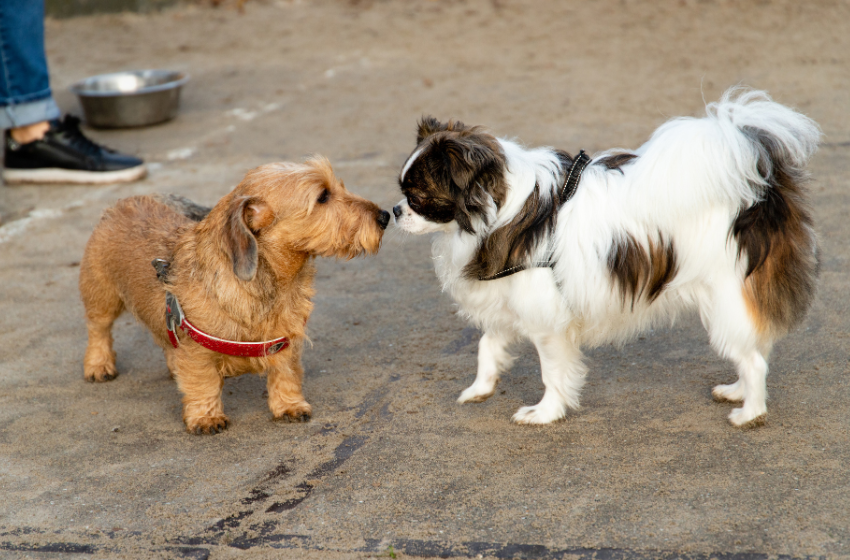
<point x="688" y="183"/>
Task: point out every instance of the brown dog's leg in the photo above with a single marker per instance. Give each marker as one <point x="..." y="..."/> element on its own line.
<point x="286" y="401"/>
<point x="201" y="383"/>
<point x="103" y="305"/>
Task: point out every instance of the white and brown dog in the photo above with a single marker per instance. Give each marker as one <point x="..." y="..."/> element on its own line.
<point x="568" y="251"/>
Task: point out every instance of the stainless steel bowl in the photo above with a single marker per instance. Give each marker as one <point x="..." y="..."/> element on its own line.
<point x="125" y="99"/>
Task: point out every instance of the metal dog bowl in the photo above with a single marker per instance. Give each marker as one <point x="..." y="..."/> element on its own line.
<point x="126" y="99"/>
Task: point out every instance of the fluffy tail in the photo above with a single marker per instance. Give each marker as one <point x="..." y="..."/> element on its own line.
<point x="772" y="145"/>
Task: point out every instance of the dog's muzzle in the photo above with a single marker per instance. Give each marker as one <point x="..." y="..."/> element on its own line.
<point x="397" y="211"/>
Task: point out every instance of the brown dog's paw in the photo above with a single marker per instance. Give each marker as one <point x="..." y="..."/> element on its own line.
<point x="305" y="417"/>
<point x="207" y="424"/>
<point x="101" y="374"/>
<point x="298" y="413"/>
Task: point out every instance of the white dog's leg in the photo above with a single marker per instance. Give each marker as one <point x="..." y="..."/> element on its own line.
<point x="563" y="376"/>
<point x="752" y="377"/>
<point x="493" y="358"/>
<point x="734" y="392"/>
<point x="734" y="336"/>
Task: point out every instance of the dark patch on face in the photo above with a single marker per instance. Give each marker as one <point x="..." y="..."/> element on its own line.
<point x="616" y="161"/>
<point x="511" y="246"/>
<point x="424" y="195"/>
<point x="642" y="271"/>
<point x="457" y="172"/>
<point x="776" y="235"/>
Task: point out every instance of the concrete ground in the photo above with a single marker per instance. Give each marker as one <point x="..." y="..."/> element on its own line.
<point x="391" y="466"/>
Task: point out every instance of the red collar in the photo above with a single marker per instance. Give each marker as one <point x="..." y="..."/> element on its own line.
<point x="174" y="318"/>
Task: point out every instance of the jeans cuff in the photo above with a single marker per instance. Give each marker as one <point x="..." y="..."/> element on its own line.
<point x="23" y="114"/>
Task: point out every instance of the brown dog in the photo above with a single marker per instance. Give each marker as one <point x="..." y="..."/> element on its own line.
<point x="241" y="273"/>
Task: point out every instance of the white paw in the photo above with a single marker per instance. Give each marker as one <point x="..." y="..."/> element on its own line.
<point x="747" y="417"/>
<point x="731" y="393"/>
<point x="538" y="414"/>
<point x="476" y="393"/>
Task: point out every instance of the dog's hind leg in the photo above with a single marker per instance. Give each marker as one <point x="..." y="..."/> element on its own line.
<point x="103" y="305"/>
<point x="286" y="401"/>
<point x="493" y="359"/>
<point x="563" y="376"/>
<point x="735" y="336"/>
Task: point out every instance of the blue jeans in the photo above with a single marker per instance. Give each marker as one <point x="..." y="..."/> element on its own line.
<point x="25" y="96"/>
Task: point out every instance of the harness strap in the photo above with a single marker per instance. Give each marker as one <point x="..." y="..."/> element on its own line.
<point x="571" y="180"/>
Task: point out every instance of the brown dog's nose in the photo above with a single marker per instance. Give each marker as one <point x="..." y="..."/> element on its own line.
<point x="383" y="219"/>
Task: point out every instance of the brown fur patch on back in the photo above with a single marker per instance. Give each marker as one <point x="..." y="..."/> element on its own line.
<point x="642" y="271"/>
<point x="616" y="161"/>
<point x="778" y="239"/>
<point x="191" y="210"/>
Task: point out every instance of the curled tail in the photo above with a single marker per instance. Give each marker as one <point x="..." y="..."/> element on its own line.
<point x="775" y="234"/>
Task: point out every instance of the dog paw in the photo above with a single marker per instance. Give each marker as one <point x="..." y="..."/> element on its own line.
<point x="537" y="415"/>
<point x="101" y="374"/>
<point x="207" y="424"/>
<point x="728" y="393"/>
<point x="298" y="413"/>
<point x="743" y="418"/>
<point x="475" y="393"/>
<point x="293" y="418"/>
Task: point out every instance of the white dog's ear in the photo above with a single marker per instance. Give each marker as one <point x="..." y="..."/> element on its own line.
<point x="246" y="217"/>
<point x="475" y="171"/>
<point x="429" y="125"/>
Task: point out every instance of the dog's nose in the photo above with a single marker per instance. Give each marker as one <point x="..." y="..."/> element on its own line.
<point x="383" y="219"/>
<point x="397" y="211"/>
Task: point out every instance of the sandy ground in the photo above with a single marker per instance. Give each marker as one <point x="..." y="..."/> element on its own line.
<point x="390" y="464"/>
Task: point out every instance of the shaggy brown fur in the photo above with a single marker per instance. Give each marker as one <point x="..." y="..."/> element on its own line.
<point x="242" y="273"/>
<point x="507" y="248"/>
<point x="777" y="236"/>
<point x="642" y="271"/>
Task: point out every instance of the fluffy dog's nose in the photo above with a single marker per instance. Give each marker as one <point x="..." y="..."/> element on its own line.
<point x="383" y="219"/>
<point x="397" y="211"/>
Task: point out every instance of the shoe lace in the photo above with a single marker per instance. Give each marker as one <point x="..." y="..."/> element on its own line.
<point x="70" y="127"/>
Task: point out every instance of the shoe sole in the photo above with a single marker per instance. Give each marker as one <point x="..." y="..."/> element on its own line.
<point x="58" y="175"/>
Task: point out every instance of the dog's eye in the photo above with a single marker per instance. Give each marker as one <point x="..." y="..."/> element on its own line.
<point x="413" y="200"/>
<point x="326" y="194"/>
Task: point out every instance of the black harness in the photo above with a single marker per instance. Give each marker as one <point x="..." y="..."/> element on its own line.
<point x="567" y="191"/>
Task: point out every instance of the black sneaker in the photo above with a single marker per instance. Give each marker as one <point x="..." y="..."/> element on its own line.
<point x="65" y="155"/>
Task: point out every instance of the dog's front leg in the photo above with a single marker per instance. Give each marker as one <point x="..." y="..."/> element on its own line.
<point x="200" y="381"/>
<point x="493" y="359"/>
<point x="563" y="376"/>
<point x="285" y="375"/>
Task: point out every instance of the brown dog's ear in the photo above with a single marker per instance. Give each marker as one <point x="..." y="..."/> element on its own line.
<point x="246" y="217"/>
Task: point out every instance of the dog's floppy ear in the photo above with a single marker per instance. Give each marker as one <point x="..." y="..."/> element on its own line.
<point x="246" y="217"/>
<point x="475" y="170"/>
